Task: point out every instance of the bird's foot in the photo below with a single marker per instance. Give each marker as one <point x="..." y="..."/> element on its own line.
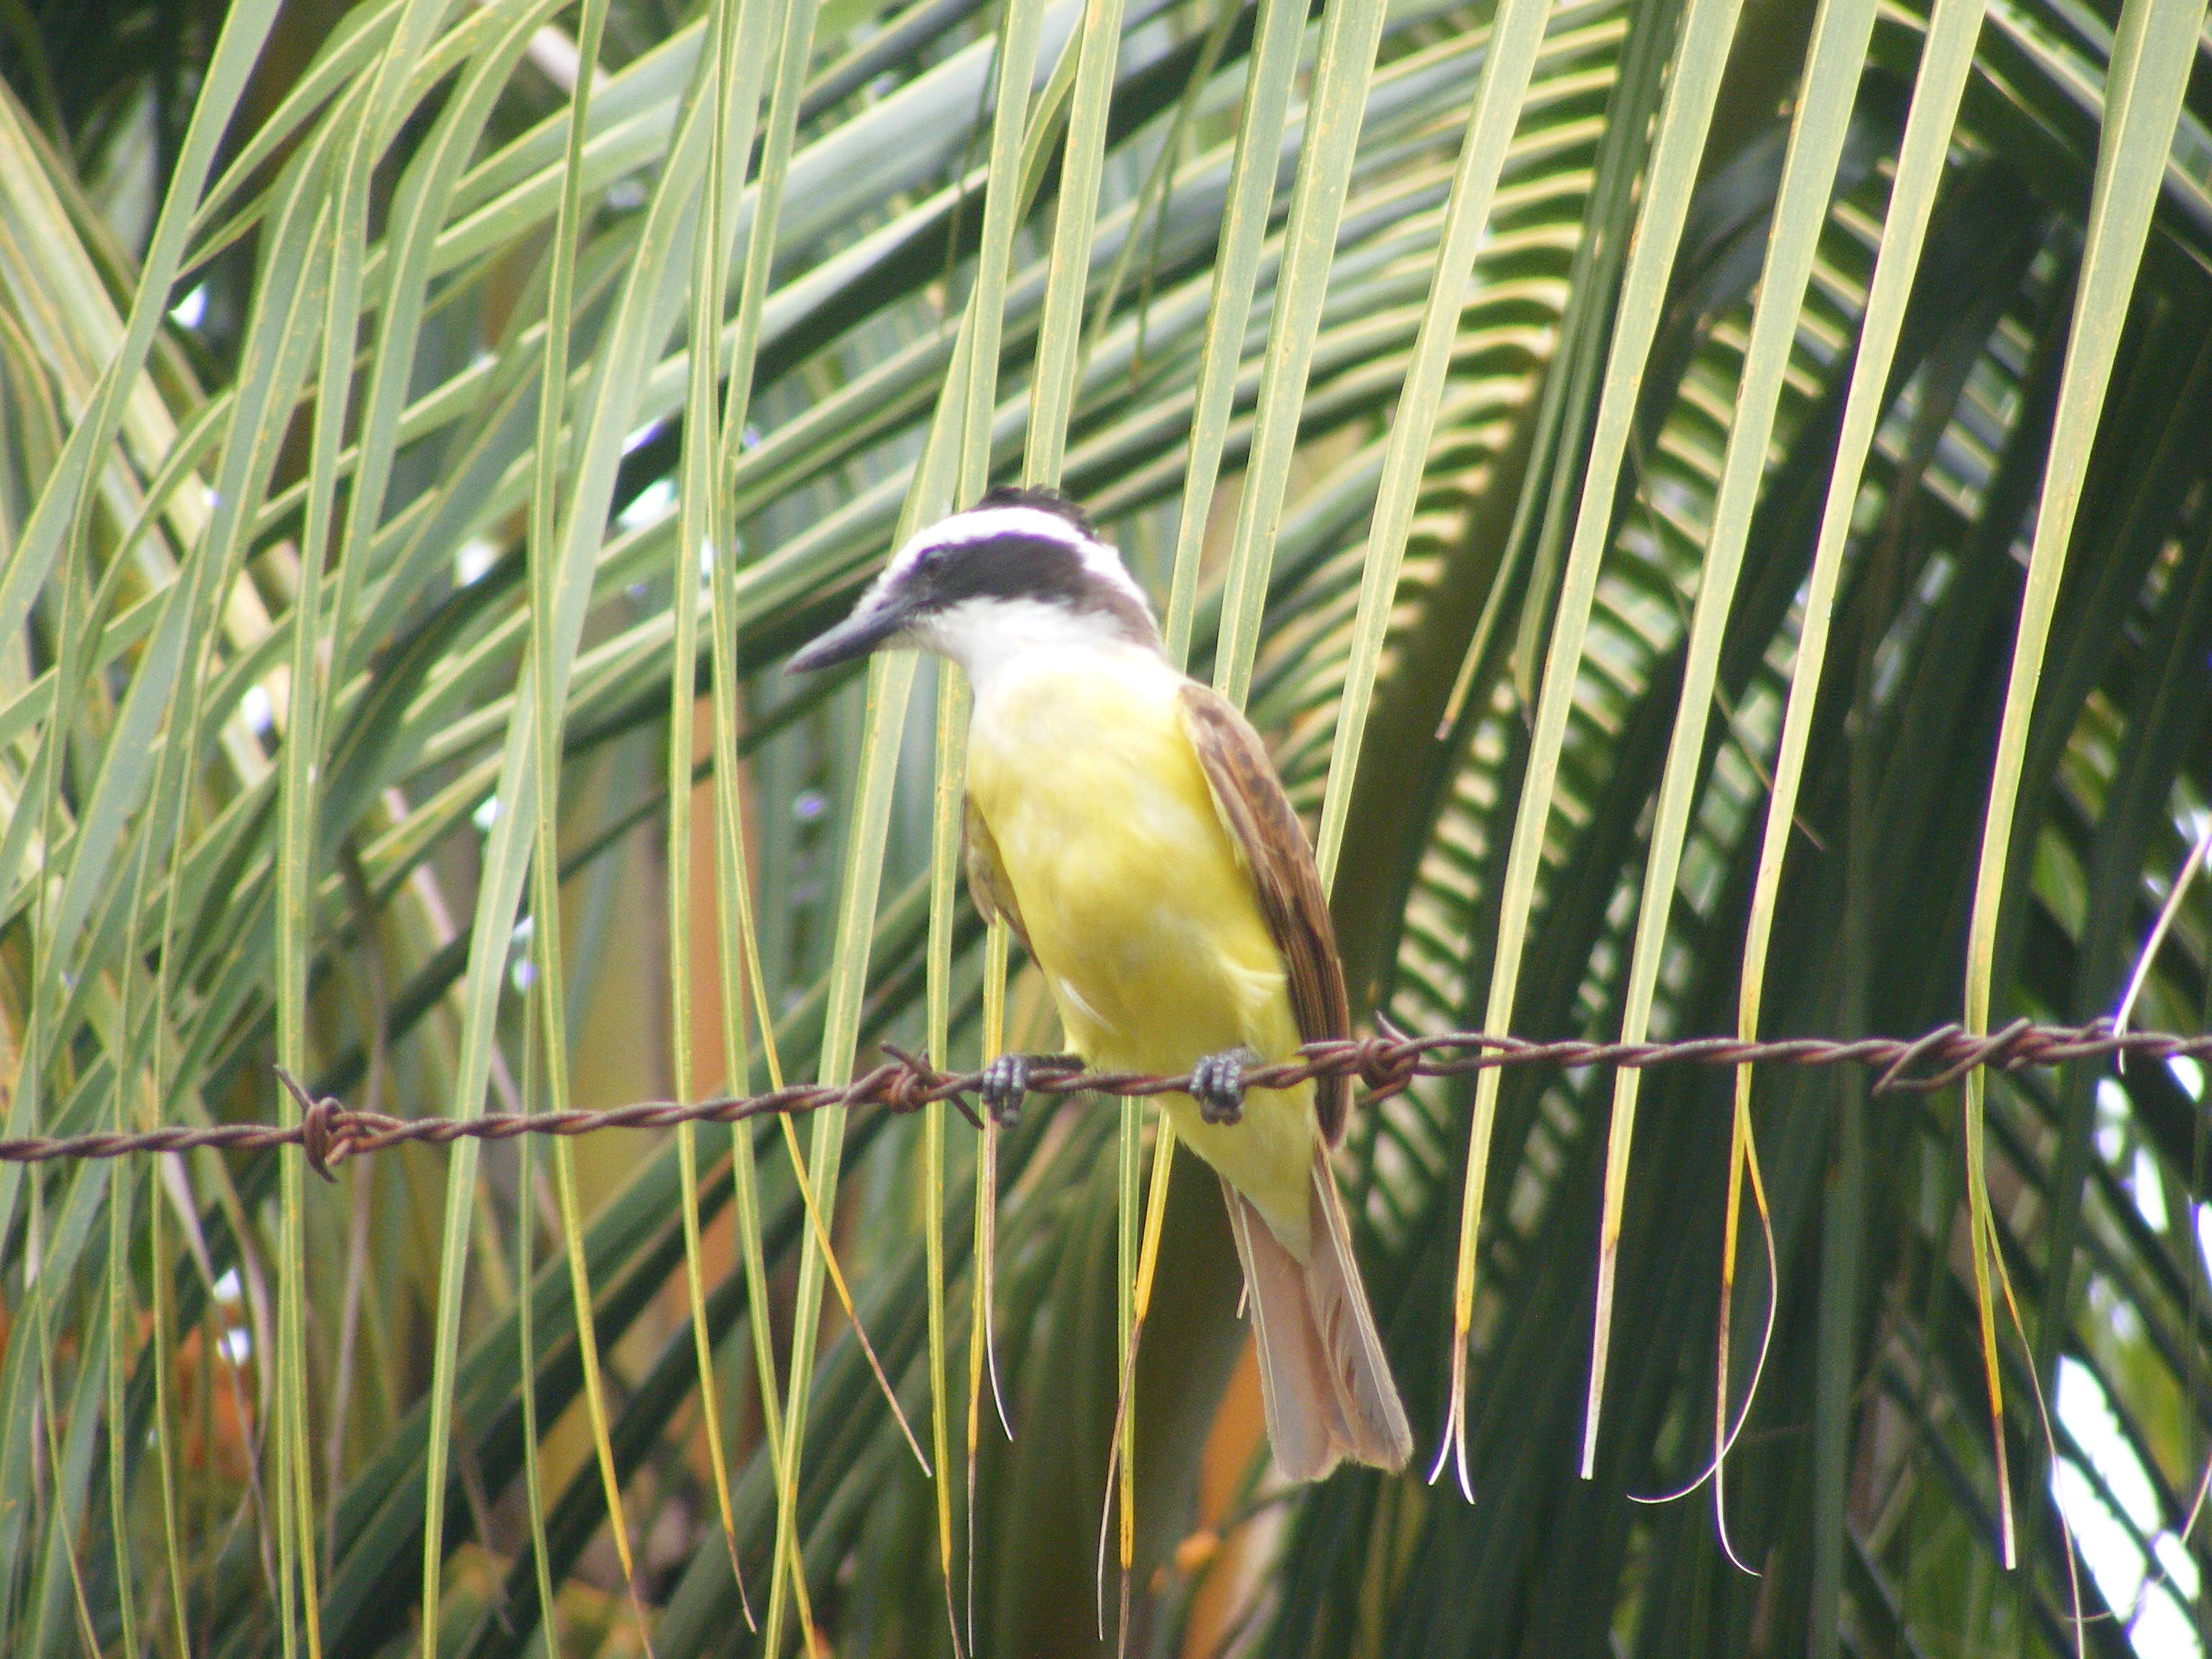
<point x="1216" y="1084"/>
<point x="1007" y="1082"/>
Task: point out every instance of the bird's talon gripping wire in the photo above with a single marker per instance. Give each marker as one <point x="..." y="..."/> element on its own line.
<point x="1216" y="1084"/>
<point x="1007" y="1082"/>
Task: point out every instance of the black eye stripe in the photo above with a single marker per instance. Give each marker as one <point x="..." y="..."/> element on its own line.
<point x="1017" y="566"/>
<point x="1012" y="566"/>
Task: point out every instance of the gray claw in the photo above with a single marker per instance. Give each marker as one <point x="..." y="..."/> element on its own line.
<point x="1005" y="1083"/>
<point x="1216" y="1084"/>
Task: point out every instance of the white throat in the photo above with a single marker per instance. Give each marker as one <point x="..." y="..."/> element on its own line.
<point x="998" y="640"/>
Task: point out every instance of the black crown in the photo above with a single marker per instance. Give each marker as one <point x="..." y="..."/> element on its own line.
<point x="1044" y="501"/>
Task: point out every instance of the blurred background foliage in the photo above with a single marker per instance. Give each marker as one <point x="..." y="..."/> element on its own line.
<point x="1796" y="440"/>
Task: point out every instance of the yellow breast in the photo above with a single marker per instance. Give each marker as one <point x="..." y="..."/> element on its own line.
<point x="1137" y="903"/>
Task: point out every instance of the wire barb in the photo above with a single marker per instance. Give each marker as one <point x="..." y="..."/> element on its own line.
<point x="317" y="1136"/>
<point x="329" y="1132"/>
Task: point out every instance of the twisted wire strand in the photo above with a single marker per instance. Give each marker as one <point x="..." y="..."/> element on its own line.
<point x="330" y="1131"/>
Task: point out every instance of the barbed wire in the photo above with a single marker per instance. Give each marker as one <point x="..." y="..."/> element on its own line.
<point x="330" y="1131"/>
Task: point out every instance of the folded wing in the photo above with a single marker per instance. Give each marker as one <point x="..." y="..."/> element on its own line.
<point x="1272" y="843"/>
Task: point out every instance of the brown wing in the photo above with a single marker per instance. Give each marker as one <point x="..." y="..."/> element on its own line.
<point x="987" y="877"/>
<point x="1249" y="798"/>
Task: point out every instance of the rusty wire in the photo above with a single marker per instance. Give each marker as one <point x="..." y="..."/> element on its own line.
<point x="330" y="1131"/>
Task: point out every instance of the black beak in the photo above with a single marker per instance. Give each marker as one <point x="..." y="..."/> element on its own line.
<point x="856" y="636"/>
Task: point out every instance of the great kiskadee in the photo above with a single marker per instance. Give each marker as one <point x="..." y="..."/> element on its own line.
<point x="1127" y="824"/>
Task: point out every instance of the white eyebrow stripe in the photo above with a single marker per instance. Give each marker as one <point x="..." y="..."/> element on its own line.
<point x="982" y="524"/>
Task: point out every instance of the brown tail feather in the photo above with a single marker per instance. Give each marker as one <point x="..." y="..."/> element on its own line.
<point x="1322" y="1376"/>
<point x="1366" y="1395"/>
<point x="1304" y="1422"/>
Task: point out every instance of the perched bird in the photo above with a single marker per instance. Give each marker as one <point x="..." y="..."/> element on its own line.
<point x="1126" y="822"/>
